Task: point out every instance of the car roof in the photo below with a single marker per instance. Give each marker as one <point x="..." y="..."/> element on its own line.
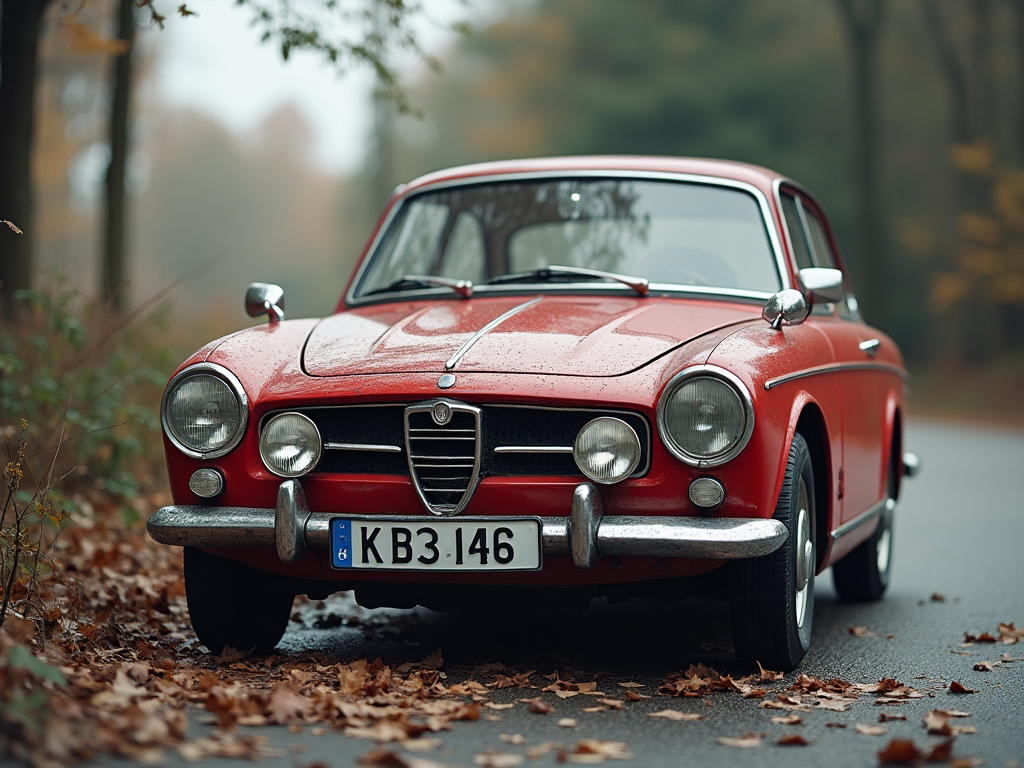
<point x="755" y="175"/>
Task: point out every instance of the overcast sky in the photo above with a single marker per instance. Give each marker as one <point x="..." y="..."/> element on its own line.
<point x="215" y="63"/>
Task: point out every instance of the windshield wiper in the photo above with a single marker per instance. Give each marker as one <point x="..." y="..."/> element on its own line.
<point x="408" y="282"/>
<point x="638" y="284"/>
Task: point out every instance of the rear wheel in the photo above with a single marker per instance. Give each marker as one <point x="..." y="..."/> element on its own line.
<point x="863" y="575"/>
<point x="773" y="595"/>
<point x="234" y="605"/>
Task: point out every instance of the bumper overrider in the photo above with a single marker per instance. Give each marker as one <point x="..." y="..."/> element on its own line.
<point x="586" y="533"/>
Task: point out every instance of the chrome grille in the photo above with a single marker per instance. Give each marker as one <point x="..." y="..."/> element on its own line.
<point x="442" y="440"/>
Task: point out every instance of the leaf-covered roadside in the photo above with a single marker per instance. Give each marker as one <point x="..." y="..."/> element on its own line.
<point x="122" y="675"/>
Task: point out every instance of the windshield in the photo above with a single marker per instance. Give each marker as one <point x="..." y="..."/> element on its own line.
<point x="688" y="235"/>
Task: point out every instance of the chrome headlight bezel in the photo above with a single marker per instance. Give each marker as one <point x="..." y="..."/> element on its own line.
<point x="226" y="376"/>
<point x="665" y="432"/>
<point x="318" y="442"/>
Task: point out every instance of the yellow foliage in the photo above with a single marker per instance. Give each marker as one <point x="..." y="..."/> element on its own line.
<point x="981" y="261"/>
<point x="975" y="157"/>
<point x="981" y="229"/>
<point x="85" y="40"/>
<point x="947" y="289"/>
<point x="916" y="239"/>
<point x="1008" y="289"/>
<point x="1008" y="198"/>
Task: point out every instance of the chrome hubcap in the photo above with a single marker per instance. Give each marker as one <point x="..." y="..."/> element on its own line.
<point x="883" y="548"/>
<point x="804" y="551"/>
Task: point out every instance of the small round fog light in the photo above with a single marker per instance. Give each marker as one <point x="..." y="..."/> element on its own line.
<point x="290" y="445"/>
<point x="607" y="450"/>
<point x="206" y="483"/>
<point x="707" y="492"/>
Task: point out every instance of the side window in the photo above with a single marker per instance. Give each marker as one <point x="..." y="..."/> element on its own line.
<point x="794" y="228"/>
<point x="820" y="248"/>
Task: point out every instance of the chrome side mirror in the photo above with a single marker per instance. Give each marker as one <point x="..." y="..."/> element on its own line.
<point x="820" y="284"/>
<point x="265" y="299"/>
<point x="788" y="306"/>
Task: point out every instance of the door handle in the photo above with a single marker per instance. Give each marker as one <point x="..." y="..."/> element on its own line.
<point x="870" y="347"/>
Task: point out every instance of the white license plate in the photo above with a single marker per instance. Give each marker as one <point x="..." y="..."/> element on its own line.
<point x="418" y="544"/>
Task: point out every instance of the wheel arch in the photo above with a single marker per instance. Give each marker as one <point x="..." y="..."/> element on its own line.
<point x="812" y="427"/>
<point x="895" y="446"/>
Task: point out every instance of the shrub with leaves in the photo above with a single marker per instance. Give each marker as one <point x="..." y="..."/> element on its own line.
<point x="87" y="381"/>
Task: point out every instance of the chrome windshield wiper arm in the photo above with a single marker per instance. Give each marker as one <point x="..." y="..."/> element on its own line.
<point x="461" y="287"/>
<point x="639" y="284"/>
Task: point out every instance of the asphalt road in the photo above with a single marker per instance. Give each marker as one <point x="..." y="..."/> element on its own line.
<point x="959" y="533"/>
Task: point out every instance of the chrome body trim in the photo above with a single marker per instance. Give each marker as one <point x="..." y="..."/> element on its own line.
<point x="748" y="405"/>
<point x="460" y="353"/>
<point x="233" y="383"/>
<point x="290" y="521"/>
<point x="584" y="524"/>
<point x="911" y="464"/>
<point x="768" y="219"/>
<point x="699" y="538"/>
<point x="837" y="368"/>
<point x="454" y="407"/>
<point x="533" y="449"/>
<point x="362" y="447"/>
<point x="870" y="347"/>
<point x="864" y="517"/>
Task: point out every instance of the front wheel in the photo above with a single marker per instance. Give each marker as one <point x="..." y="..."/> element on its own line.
<point x="233" y="605"/>
<point x="773" y="595"/>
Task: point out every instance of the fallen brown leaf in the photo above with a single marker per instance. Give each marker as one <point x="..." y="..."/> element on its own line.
<point x="885" y="717"/>
<point x="792" y="740"/>
<point x="746" y="741"/>
<point x="871" y="730"/>
<point x="492" y="759"/>
<point x="674" y="714"/>
<point x="955" y="687"/>
<point x="899" y="752"/>
<point x="793" y="719"/>
<point x="539" y="707"/>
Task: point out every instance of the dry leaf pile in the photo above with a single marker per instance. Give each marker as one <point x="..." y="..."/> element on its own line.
<point x="113" y="667"/>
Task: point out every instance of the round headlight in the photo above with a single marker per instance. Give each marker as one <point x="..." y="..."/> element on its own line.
<point x="290" y="445"/>
<point x="607" y="450"/>
<point x="705" y="416"/>
<point x="205" y="411"/>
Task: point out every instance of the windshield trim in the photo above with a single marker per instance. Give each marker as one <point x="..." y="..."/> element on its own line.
<point x="762" y="200"/>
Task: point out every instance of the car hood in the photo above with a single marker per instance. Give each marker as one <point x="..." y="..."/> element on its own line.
<point x="561" y="335"/>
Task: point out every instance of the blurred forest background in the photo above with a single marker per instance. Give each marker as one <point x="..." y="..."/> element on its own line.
<point x="771" y="83"/>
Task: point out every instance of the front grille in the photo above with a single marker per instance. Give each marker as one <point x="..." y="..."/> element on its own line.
<point x="444" y="453"/>
<point x="446" y="460"/>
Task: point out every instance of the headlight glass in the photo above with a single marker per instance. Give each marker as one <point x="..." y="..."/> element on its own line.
<point x="705" y="420"/>
<point x="204" y="414"/>
<point x="607" y="450"/>
<point x="290" y="445"/>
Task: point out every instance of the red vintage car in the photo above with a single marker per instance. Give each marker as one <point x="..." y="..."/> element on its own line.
<point x="547" y="381"/>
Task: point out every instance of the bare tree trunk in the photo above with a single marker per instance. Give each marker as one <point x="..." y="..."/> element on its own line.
<point x="20" y="28"/>
<point x="862" y="23"/>
<point x="115" y="220"/>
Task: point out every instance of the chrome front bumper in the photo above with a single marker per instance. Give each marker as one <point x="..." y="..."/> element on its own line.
<point x="586" y="534"/>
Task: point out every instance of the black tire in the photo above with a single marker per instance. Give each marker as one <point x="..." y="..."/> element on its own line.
<point x="863" y="575"/>
<point x="772" y="613"/>
<point x="234" y="605"/>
